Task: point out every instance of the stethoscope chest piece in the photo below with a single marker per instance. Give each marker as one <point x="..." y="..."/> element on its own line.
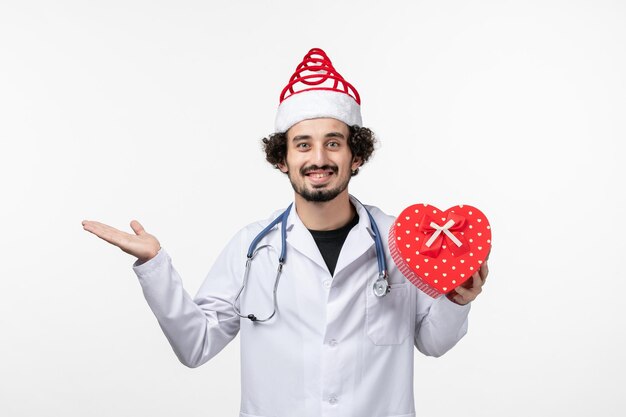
<point x="381" y="287"/>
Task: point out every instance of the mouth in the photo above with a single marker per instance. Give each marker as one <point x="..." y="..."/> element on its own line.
<point x="320" y="176"/>
<point x="317" y="174"/>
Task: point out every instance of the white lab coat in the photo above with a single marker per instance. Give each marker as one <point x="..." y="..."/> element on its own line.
<point x="333" y="348"/>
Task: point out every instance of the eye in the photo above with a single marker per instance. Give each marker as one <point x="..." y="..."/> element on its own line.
<point x="333" y="144"/>
<point x="302" y="145"/>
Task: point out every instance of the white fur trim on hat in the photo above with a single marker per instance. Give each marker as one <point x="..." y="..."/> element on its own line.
<point x="313" y="104"/>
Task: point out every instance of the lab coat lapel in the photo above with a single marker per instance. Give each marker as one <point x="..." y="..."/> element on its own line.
<point x="299" y="237"/>
<point x="359" y="240"/>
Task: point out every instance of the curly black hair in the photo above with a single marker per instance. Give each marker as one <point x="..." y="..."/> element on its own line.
<point x="361" y="141"/>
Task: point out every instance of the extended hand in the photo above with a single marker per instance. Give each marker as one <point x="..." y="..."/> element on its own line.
<point x="469" y="290"/>
<point x="142" y="244"/>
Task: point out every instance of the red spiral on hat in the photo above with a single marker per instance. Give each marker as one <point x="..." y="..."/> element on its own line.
<point x="316" y="70"/>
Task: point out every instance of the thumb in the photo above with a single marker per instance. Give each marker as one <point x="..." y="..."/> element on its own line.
<point x="137" y="227"/>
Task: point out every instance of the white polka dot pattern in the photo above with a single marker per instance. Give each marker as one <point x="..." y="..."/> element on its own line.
<point x="443" y="272"/>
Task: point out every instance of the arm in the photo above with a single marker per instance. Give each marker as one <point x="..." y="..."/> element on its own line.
<point x="199" y="328"/>
<point x="442" y="322"/>
<point x="439" y="324"/>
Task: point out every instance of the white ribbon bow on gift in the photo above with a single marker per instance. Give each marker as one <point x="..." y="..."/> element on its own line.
<point x="443" y="229"/>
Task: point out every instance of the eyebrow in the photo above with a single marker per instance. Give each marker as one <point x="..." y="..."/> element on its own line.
<point x="328" y="135"/>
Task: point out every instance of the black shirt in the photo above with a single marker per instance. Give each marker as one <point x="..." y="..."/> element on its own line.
<point x="329" y="242"/>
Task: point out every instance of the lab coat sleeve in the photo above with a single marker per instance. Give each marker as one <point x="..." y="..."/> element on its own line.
<point x="439" y="324"/>
<point x="199" y="328"/>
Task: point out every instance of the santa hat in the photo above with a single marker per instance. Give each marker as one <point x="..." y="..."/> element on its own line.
<point x="315" y="90"/>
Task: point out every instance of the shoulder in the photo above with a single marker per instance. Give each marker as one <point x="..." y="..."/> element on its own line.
<point x="259" y="225"/>
<point x="244" y="236"/>
<point x="383" y="220"/>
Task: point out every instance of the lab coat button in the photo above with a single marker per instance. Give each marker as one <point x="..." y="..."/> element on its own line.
<point x="327" y="283"/>
<point x="333" y="399"/>
<point x="332" y="342"/>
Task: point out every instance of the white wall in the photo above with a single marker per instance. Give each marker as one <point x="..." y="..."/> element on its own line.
<point x="153" y="110"/>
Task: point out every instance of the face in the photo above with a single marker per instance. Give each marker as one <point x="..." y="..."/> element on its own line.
<point x="319" y="160"/>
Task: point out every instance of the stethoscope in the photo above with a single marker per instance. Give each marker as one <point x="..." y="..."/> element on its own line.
<point x="381" y="286"/>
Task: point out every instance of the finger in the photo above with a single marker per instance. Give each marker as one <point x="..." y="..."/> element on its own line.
<point x="464" y="292"/>
<point x="466" y="295"/>
<point x="477" y="280"/>
<point x="484" y="271"/>
<point x="137" y="227"/>
<point x="460" y="300"/>
<point x="473" y="289"/>
<point x="93" y="226"/>
<point x="105" y="232"/>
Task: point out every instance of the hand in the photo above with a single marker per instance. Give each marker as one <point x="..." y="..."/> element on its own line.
<point x="469" y="290"/>
<point x="142" y="244"/>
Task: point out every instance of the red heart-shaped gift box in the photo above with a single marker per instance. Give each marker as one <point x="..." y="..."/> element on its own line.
<point x="439" y="250"/>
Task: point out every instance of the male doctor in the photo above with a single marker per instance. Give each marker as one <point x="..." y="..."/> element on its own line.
<point x="316" y="339"/>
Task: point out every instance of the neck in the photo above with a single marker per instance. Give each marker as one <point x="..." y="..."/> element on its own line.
<point x="329" y="215"/>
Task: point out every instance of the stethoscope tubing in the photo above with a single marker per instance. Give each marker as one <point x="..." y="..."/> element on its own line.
<point x="381" y="286"/>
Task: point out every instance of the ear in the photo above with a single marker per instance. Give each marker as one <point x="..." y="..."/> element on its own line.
<point x="283" y="168"/>
<point x="357" y="161"/>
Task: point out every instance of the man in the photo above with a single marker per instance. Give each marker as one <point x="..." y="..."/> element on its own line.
<point x="315" y="338"/>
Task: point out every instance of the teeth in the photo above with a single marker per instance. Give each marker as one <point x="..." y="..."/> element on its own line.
<point x="320" y="175"/>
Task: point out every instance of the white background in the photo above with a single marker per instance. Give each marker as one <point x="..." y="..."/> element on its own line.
<point x="153" y="110"/>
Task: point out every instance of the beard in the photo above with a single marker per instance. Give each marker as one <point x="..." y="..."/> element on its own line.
<point x="319" y="194"/>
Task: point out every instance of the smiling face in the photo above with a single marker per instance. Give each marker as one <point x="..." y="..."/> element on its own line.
<point x="319" y="160"/>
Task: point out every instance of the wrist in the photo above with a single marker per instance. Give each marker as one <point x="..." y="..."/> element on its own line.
<point x="152" y="255"/>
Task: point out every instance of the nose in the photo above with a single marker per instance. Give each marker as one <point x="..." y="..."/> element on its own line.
<point x="319" y="156"/>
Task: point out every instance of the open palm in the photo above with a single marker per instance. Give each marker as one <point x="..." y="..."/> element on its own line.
<point x="142" y="244"/>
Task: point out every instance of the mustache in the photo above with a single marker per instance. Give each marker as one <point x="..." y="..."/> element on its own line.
<point x="306" y="170"/>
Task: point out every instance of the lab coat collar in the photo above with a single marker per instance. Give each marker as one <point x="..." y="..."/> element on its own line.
<point x="359" y="240"/>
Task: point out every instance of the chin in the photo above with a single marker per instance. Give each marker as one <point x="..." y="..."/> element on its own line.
<point x="320" y="194"/>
